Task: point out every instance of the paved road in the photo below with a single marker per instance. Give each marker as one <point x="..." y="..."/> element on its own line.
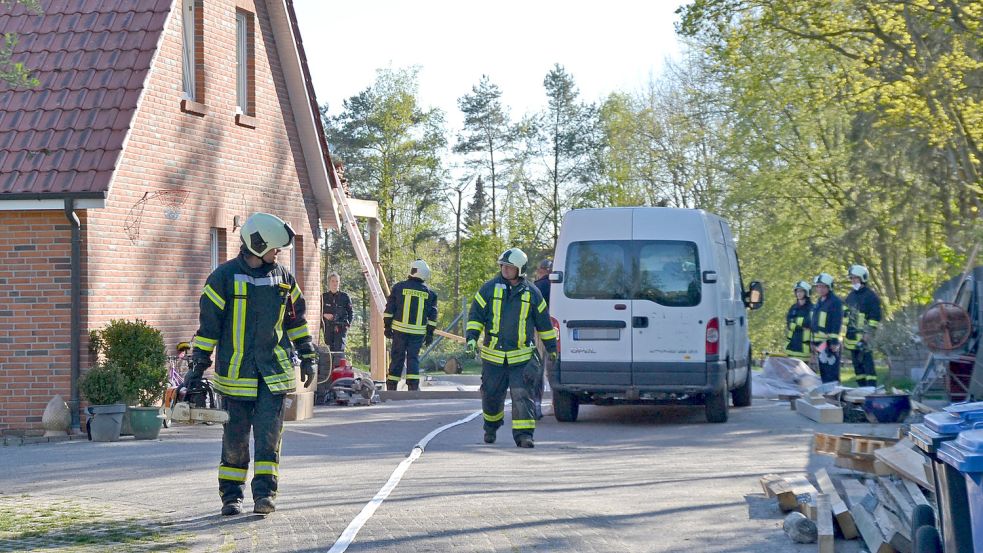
<point x="620" y="479"/>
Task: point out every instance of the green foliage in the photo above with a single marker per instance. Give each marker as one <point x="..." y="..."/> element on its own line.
<point x="16" y="74"/>
<point x="138" y="350"/>
<point x="104" y="384"/>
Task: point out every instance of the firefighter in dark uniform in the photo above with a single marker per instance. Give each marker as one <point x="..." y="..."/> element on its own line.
<point x="798" y="324"/>
<point x="542" y="282"/>
<point x="337" y="312"/>
<point x="863" y="316"/>
<point x="510" y="312"/>
<point x="253" y="311"/>
<point x="410" y="319"/>
<point x="827" y="324"/>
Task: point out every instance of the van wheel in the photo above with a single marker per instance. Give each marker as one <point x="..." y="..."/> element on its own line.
<point x="742" y="395"/>
<point x="716" y="406"/>
<point x="566" y="406"/>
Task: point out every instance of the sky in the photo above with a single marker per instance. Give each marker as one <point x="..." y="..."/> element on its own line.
<point x="613" y="45"/>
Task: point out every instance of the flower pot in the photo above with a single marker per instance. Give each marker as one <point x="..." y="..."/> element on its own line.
<point x="146" y="422"/>
<point x="105" y="422"/>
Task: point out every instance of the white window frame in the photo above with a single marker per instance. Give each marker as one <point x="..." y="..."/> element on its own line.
<point x="293" y="259"/>
<point x="188" y="61"/>
<point x="214" y="240"/>
<point x="242" y="63"/>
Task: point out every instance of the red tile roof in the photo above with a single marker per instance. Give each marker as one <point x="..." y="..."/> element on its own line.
<point x="92" y="57"/>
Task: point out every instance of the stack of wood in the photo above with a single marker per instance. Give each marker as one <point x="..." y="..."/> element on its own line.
<point x="876" y="455"/>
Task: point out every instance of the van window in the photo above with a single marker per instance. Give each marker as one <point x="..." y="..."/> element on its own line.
<point x="596" y="270"/>
<point x="669" y="273"/>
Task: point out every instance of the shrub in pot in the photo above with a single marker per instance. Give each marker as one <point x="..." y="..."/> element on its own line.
<point x="104" y="388"/>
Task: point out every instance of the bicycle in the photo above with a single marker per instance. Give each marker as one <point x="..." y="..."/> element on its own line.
<point x="177" y="367"/>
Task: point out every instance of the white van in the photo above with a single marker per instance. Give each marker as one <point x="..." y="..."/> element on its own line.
<point x="649" y="307"/>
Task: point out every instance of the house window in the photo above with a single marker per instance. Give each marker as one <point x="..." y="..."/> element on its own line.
<point x="217" y="247"/>
<point x="245" y="64"/>
<point x="192" y="68"/>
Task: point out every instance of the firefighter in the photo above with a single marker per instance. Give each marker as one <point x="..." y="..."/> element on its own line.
<point x="410" y="319"/>
<point x="252" y="310"/>
<point x="863" y="316"/>
<point x="826" y="323"/>
<point x="337" y="312"/>
<point x="798" y="323"/>
<point x="541" y="282"/>
<point x="510" y="312"/>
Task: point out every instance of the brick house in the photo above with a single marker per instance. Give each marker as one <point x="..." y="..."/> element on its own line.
<point x="158" y="127"/>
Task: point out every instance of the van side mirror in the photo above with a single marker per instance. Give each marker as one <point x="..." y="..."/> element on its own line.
<point x="556" y="276"/>
<point x="709" y="277"/>
<point x="754" y="298"/>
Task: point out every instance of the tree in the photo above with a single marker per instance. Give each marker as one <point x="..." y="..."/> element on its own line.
<point x="486" y="131"/>
<point x="16" y="74"/>
<point x="475" y="215"/>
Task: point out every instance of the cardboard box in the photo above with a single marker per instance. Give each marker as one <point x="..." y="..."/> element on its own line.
<point x="298" y="406"/>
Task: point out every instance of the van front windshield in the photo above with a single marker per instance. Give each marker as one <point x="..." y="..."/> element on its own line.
<point x="666" y="272"/>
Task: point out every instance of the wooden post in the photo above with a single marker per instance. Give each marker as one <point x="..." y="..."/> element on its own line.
<point x="378" y="354"/>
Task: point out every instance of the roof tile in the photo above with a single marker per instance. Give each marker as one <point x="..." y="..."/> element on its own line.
<point x="92" y="58"/>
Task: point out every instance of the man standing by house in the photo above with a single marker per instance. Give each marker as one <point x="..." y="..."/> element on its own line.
<point x="827" y="323"/>
<point x="542" y="283"/>
<point x="863" y="316"/>
<point x="337" y="315"/>
<point x="509" y="311"/>
<point x="410" y="319"/>
<point x="253" y="311"/>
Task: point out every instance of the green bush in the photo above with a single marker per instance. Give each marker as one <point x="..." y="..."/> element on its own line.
<point x="104" y="384"/>
<point x="138" y="350"/>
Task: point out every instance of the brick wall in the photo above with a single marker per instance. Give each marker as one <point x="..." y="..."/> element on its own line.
<point x="155" y="271"/>
<point x="35" y="302"/>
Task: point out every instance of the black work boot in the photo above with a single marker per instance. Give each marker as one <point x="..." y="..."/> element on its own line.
<point x="489" y="436"/>
<point x="525" y="441"/>
<point x="264" y="506"/>
<point x="413" y="385"/>
<point x="233" y="507"/>
<point x="391" y="385"/>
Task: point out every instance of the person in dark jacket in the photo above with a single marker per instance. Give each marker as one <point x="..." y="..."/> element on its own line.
<point x="798" y="324"/>
<point x="542" y="282"/>
<point x="509" y="311"/>
<point x="337" y="315"/>
<point x="827" y="324"/>
<point x="252" y="310"/>
<point x="863" y="316"/>
<point x="542" y="278"/>
<point x="410" y="319"/>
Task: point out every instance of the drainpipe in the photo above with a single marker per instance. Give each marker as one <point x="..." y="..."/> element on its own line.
<point x="76" y="320"/>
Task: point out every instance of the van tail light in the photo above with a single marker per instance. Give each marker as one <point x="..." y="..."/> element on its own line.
<point x="556" y="328"/>
<point x="713" y="336"/>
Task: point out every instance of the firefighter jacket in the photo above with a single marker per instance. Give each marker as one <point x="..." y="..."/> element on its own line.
<point x="863" y="315"/>
<point x="252" y="316"/>
<point x="338" y="304"/>
<point x="798" y="329"/>
<point x="827" y="319"/>
<point x="411" y="308"/>
<point x="509" y="315"/>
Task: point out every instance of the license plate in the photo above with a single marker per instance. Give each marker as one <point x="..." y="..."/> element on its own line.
<point x="596" y="333"/>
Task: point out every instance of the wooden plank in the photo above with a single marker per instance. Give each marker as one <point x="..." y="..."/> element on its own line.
<point x="906" y="461"/>
<point x="892" y="529"/>
<point x="819" y="412"/>
<point x="869" y="530"/>
<point x="915" y="492"/>
<point x="899" y="498"/>
<point x="824" y="523"/>
<point x="854" y="490"/>
<point x="805" y="494"/>
<point x="839" y="509"/>
<point x="853" y="463"/>
<point x="777" y="487"/>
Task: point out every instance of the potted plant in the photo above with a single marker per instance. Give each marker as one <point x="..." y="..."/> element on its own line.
<point x="103" y="387"/>
<point x="138" y="350"/>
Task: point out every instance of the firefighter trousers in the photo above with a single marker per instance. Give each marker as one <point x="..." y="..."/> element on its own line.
<point x="863" y="365"/>
<point x="829" y="365"/>
<point x="495" y="381"/>
<point x="335" y="339"/>
<point x="264" y="417"/>
<point x="405" y="351"/>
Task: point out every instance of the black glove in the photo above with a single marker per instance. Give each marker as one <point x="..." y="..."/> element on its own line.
<point x="388" y="332"/>
<point x="307" y="364"/>
<point x="200" y="361"/>
<point x="428" y="339"/>
<point x="531" y="372"/>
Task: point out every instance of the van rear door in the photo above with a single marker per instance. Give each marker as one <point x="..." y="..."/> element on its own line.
<point x="592" y="305"/>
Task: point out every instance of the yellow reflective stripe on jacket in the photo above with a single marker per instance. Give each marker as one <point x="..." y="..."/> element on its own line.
<point x="393" y="378"/>
<point x="475" y="325"/>
<point x="523" y="315"/>
<point x="297" y="332"/>
<point x="822" y="319"/>
<point x="496" y="309"/>
<point x="513" y="357"/>
<point x="495" y="417"/>
<point x="238" y="328"/>
<point x="236" y="387"/>
<point x="873" y="323"/>
<point x="282" y="359"/>
<point x="547" y="335"/>
<point x="431" y="323"/>
<point x="409" y="329"/>
<point x="211" y="294"/>
<point x="266" y="467"/>
<point x="523" y="424"/>
<point x="480" y="300"/>
<point x="205" y="344"/>
<point x="295" y="292"/>
<point x="542" y="306"/>
<point x="231" y="473"/>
